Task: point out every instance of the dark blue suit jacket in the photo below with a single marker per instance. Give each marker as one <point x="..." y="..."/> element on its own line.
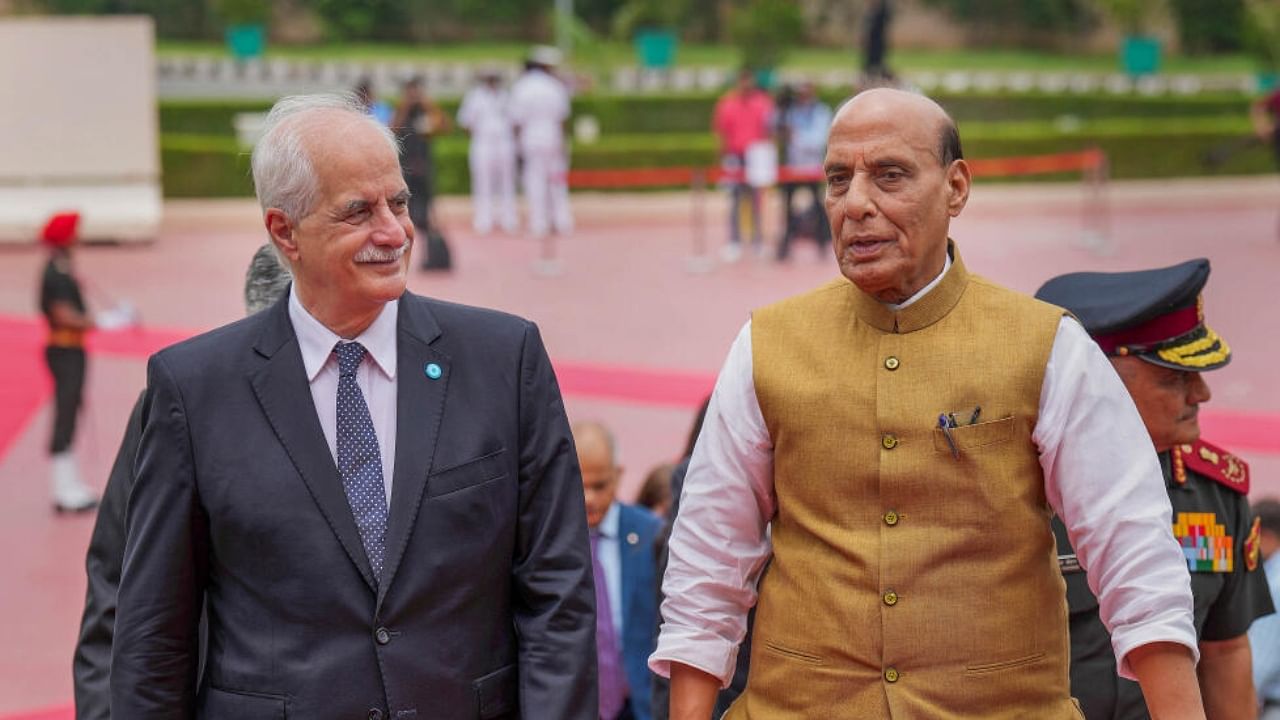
<point x="486" y="607"/>
<point x="639" y="601"/>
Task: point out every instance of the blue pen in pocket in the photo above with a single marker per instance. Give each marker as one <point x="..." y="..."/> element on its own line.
<point x="945" y="426"/>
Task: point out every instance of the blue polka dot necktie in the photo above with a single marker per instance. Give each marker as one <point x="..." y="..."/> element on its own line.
<point x="359" y="458"/>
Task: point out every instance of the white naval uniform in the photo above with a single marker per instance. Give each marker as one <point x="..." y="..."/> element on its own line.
<point x="539" y="105"/>
<point x="492" y="156"/>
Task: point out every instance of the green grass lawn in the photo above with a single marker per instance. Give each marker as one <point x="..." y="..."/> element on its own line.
<point x="605" y="54"/>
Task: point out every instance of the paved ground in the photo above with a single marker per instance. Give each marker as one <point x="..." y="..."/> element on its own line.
<point x="636" y="339"/>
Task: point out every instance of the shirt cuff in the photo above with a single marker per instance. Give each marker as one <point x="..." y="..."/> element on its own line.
<point x="1172" y="627"/>
<point x="709" y="653"/>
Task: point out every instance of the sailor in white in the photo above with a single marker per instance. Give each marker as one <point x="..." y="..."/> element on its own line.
<point x="483" y="114"/>
<point x="539" y="107"/>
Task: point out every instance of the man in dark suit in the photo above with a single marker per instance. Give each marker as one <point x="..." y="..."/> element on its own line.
<point x="622" y="538"/>
<point x="266" y="281"/>
<point x="374" y="494"/>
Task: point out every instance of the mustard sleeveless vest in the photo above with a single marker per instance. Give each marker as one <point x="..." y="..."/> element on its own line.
<point x="908" y="580"/>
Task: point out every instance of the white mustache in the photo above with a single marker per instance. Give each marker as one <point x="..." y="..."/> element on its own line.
<point x="377" y="254"/>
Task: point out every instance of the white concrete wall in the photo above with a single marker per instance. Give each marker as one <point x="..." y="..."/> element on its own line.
<point x="79" y="126"/>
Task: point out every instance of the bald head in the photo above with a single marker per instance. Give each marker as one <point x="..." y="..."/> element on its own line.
<point x="600" y="471"/>
<point x="907" y="107"/>
<point x="593" y="438"/>
<point x="894" y="181"/>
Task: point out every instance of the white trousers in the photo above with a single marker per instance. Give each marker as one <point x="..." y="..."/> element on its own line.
<point x="546" y="191"/>
<point x="493" y="186"/>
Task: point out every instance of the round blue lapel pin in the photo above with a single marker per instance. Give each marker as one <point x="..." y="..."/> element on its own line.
<point x="433" y="371"/>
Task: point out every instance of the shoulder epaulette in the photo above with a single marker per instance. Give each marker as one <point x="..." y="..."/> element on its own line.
<point x="1213" y="462"/>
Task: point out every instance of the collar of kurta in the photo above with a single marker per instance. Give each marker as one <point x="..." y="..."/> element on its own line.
<point x="923" y="312"/>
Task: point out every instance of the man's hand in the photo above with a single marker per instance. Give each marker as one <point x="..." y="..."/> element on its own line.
<point x="1168" y="678"/>
<point x="1226" y="679"/>
<point x="693" y="693"/>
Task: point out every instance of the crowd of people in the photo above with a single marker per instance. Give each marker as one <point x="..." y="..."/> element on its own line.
<point x="360" y="501"/>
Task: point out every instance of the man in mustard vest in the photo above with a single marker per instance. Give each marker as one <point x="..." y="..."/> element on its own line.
<point x="897" y="440"/>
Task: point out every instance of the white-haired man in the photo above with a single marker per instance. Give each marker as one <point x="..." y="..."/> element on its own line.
<point x="374" y="494"/>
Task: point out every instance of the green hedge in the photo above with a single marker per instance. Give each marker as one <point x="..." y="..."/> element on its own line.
<point x="213" y="166"/>
<point x="691" y="113"/>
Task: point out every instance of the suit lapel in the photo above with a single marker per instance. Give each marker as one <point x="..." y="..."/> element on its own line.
<point x="422" y="378"/>
<point x="285" y="396"/>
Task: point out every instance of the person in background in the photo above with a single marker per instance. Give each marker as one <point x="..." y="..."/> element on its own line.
<point x="741" y="119"/>
<point x="875" y="44"/>
<point x="1150" y="324"/>
<point x="266" y="281"/>
<point x="416" y="121"/>
<point x="892" y="440"/>
<point x="68" y="318"/>
<point x="1264" y="634"/>
<point x="803" y="128"/>
<point x="655" y="493"/>
<point x="622" y="552"/>
<point x="491" y="154"/>
<point x="379" y="109"/>
<point x="1263" y="114"/>
<point x="539" y="107"/>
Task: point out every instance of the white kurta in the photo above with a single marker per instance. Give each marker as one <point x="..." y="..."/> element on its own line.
<point x="1101" y="477"/>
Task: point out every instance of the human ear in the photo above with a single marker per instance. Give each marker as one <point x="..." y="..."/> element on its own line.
<point x="280" y="228"/>
<point x="959" y="178"/>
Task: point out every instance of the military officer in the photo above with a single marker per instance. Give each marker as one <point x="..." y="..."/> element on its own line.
<point x="1151" y="324"/>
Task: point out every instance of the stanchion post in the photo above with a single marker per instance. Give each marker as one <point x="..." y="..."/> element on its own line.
<point x="1097" y="211"/>
<point x="547" y="263"/>
<point x="699" y="261"/>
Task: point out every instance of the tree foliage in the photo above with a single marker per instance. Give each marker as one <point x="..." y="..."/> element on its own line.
<point x="1209" y="26"/>
<point x="765" y="30"/>
<point x="1020" y="22"/>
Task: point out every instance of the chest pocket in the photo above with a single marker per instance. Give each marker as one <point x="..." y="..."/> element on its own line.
<point x="467" y="474"/>
<point x="972" y="437"/>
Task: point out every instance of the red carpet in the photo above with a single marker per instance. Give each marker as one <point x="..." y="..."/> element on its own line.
<point x="26" y="384"/>
<point x="67" y="712"/>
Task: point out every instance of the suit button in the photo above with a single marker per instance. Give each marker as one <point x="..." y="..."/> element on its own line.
<point x="891" y="363"/>
<point x="890" y="598"/>
<point x="891" y="518"/>
<point x="890" y="675"/>
<point x="382" y="636"/>
<point x="375" y="714"/>
<point x="889" y="442"/>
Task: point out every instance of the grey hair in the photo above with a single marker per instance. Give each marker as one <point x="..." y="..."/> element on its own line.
<point x="283" y="176"/>
<point x="266" y="280"/>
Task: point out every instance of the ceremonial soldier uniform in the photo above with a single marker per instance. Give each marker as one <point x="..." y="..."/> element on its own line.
<point x="65" y="312"/>
<point x="1157" y="315"/>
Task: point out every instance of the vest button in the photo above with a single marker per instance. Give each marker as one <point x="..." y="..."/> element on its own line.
<point x="891" y="363"/>
<point x="889" y="442"/>
<point x="382" y="636"/>
<point x="890" y="598"/>
<point x="891" y="518"/>
<point x="890" y="675"/>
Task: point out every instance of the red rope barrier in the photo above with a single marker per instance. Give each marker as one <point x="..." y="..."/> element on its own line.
<point x="1084" y="161"/>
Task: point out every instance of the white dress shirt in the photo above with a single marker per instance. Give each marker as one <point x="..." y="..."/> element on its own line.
<point x="611" y="561"/>
<point x="376" y="376"/>
<point x="1101" y="475"/>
